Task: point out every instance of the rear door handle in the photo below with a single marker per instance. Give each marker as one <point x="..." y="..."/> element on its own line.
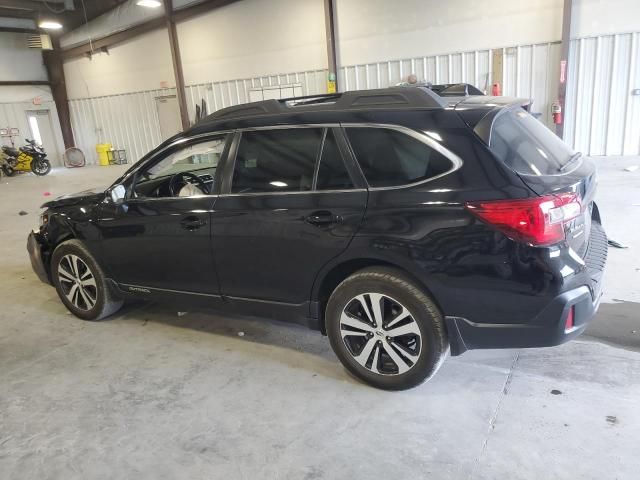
<point x="192" y="223"/>
<point x="323" y="218"/>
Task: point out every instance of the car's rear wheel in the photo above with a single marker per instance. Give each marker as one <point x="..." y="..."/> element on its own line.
<point x="385" y="329"/>
<point x="80" y="282"/>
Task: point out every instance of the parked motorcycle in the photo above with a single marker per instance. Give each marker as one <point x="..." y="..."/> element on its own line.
<point x="30" y="157"/>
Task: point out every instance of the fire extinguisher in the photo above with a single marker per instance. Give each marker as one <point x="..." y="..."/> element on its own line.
<point x="556" y="112"/>
<point x="496" y="91"/>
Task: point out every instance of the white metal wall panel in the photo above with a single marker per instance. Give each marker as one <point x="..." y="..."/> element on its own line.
<point x="603" y="118"/>
<point x="631" y="134"/>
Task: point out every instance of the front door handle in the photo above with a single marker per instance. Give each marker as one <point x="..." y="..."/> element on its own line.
<point x="322" y="217"/>
<point x="192" y="223"/>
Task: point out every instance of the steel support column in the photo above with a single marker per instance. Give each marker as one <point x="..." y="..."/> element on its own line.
<point x="567" y="17"/>
<point x="177" y="62"/>
<point x="332" y="57"/>
<point x="55" y="72"/>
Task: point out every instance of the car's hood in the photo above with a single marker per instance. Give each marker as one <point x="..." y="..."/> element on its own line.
<point x="89" y="196"/>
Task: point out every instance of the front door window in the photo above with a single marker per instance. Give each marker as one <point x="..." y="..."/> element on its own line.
<point x="186" y="171"/>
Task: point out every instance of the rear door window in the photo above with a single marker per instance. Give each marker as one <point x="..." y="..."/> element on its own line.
<point x="390" y="158"/>
<point x="332" y="173"/>
<point x="278" y="160"/>
<point x="526" y="146"/>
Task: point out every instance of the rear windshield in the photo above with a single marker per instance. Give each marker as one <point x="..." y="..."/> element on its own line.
<point x="526" y="146"/>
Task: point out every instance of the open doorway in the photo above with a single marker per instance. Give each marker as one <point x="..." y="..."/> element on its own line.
<point x="42" y="132"/>
<point x="168" y="116"/>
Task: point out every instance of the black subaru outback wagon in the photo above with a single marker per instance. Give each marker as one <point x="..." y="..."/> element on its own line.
<point x="401" y="223"/>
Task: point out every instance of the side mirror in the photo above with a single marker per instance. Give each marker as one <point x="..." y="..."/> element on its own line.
<point x="118" y="193"/>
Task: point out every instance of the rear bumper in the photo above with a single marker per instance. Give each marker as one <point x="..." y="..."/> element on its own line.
<point x="547" y="330"/>
<point x="34" y="247"/>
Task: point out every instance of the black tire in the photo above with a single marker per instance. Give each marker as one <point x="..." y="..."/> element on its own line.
<point x="40" y="167"/>
<point x="397" y="289"/>
<point x="8" y="171"/>
<point x="106" y="301"/>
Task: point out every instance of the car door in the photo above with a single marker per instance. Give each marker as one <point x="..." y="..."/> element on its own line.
<point x="289" y="204"/>
<point x="160" y="239"/>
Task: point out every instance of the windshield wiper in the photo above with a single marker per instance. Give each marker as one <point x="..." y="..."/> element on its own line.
<point x="573" y="158"/>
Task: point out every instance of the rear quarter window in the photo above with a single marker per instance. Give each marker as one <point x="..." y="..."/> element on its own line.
<point x="390" y="158"/>
<point x="527" y="146"/>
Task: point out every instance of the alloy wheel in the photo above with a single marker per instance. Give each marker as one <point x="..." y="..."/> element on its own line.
<point x="77" y="282"/>
<point x="381" y="334"/>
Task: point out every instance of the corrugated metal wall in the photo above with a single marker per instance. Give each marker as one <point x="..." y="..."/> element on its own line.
<point x="128" y="121"/>
<point x="602" y="118"/>
<point x="233" y="92"/>
<point x="527" y="72"/>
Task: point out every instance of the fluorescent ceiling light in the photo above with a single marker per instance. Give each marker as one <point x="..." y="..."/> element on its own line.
<point x="149" y="3"/>
<point x="50" y="25"/>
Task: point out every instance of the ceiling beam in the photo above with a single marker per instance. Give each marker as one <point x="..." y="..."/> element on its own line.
<point x="95" y="8"/>
<point x="18" y="30"/>
<point x="113" y="39"/>
<point x="23" y="4"/>
<point x="16" y="13"/>
<point x="186" y="13"/>
<point x="15" y="83"/>
<point x="142" y="28"/>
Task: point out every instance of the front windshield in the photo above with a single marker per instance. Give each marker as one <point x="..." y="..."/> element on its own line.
<point x="527" y="146"/>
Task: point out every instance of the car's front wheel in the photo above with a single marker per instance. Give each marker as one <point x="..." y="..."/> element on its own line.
<point x="80" y="282"/>
<point x="385" y="329"/>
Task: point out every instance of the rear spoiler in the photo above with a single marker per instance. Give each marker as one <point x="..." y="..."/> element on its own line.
<point x="456" y="90"/>
<point x="480" y="112"/>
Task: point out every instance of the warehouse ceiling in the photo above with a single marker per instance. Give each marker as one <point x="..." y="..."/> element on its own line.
<point x="70" y="13"/>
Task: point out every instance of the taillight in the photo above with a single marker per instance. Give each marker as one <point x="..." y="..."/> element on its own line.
<point x="537" y="221"/>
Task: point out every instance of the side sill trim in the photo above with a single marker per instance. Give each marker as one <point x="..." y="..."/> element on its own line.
<point x="142" y="289"/>
<point x="257" y="300"/>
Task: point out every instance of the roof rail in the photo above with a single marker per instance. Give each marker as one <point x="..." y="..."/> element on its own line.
<point x="394" y="97"/>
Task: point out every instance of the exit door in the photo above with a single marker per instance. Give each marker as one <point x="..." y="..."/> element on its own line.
<point x="169" y="116"/>
<point x="42" y="132"/>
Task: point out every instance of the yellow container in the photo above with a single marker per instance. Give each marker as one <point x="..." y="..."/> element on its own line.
<point x="102" y="149"/>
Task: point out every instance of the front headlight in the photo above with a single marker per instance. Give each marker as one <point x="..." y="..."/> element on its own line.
<point x="44" y="219"/>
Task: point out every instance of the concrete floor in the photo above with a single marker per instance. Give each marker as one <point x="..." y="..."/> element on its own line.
<point x="150" y="394"/>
